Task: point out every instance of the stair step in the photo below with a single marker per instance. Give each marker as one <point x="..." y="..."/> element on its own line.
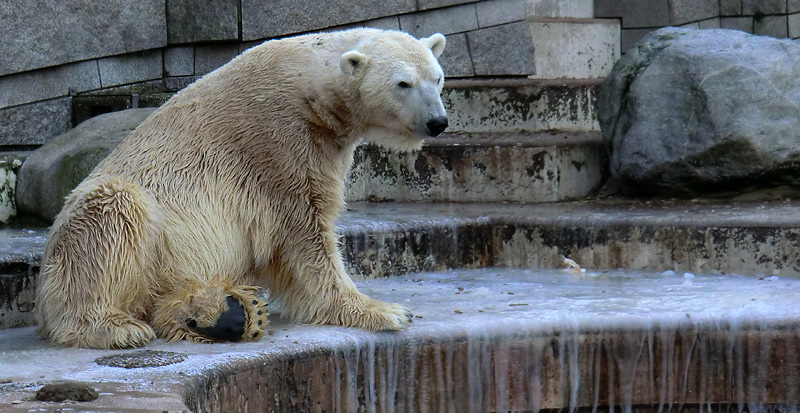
<point x="517" y="105"/>
<point x="381" y="239"/>
<point x="540" y="167"/>
<point x="497" y="339"/>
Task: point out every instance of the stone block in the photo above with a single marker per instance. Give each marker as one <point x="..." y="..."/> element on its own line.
<point x="761" y="7"/>
<point x="209" y="58"/>
<point x="685" y="11"/>
<point x="502" y="50"/>
<point x="262" y="19"/>
<point x="714" y="23"/>
<point x="176" y="83"/>
<point x="53" y="32"/>
<point x="635" y="13"/>
<point x="385" y="23"/>
<point x="730" y="7"/>
<point x="436" y="4"/>
<point x="190" y="21"/>
<point x="43" y="84"/>
<point x="744" y="24"/>
<point x="495" y="12"/>
<point x="693" y="26"/>
<point x="793" y="6"/>
<point x="629" y="37"/>
<point x="179" y="61"/>
<point x="35" y="123"/>
<point x="580" y="9"/>
<point x="774" y="26"/>
<point x="794" y="25"/>
<point x="574" y="50"/>
<point x="341" y="27"/>
<point x="446" y="21"/>
<point x="130" y="68"/>
<point x="455" y="59"/>
<point x="246" y="45"/>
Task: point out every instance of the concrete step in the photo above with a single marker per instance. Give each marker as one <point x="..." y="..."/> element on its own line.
<point x="527" y="167"/>
<point x="466" y="167"/>
<point x="482" y="340"/>
<point x="521" y="105"/>
<point x="516" y="140"/>
<point x="381" y="239"/>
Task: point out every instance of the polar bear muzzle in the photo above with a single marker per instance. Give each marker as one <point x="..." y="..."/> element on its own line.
<point x="436" y="125"/>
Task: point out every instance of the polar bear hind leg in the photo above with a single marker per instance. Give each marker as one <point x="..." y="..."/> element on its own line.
<point x="96" y="273"/>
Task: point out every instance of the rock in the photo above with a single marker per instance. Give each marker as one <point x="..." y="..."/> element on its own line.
<point x="51" y="172"/>
<point x="689" y="112"/>
<point x="71" y="390"/>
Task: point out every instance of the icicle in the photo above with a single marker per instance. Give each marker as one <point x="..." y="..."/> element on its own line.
<point x="502" y="362"/>
<point x="478" y="363"/>
<point x="370" y="399"/>
<point x="573" y="349"/>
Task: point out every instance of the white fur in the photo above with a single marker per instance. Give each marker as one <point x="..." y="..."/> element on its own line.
<point x="237" y="179"/>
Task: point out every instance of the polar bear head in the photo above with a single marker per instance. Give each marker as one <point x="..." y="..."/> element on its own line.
<point x="399" y="84"/>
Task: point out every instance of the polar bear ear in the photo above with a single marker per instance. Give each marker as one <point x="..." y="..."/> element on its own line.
<point x="352" y="62"/>
<point x="435" y="43"/>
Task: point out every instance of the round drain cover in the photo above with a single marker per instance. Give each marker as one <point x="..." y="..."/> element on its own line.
<point x="144" y="358"/>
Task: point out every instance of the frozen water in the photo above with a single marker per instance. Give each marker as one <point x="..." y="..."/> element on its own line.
<point x="22" y="245"/>
<point x="593" y="300"/>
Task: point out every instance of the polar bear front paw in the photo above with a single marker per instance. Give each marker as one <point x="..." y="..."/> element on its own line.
<point x="218" y="311"/>
<point x="243" y="319"/>
<point x="378" y="315"/>
<point x="228" y="327"/>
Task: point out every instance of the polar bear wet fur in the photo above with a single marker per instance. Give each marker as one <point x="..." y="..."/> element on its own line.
<point x="235" y="184"/>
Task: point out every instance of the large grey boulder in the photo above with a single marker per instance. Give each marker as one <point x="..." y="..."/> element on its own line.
<point x="51" y="172"/>
<point x="688" y="112"/>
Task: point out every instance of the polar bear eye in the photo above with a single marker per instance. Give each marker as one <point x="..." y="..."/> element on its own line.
<point x="403" y="85"/>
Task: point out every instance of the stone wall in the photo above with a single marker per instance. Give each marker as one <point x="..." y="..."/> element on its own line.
<point x="69" y="60"/>
<point x="776" y="18"/>
<point x="74" y="59"/>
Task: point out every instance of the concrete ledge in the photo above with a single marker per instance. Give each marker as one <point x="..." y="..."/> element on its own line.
<point x="380" y="239"/>
<point x="482" y="168"/>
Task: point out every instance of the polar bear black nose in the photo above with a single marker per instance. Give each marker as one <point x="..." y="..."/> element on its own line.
<point x="436" y="125"/>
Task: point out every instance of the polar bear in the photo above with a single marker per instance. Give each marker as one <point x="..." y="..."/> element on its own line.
<point x="234" y="184"/>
